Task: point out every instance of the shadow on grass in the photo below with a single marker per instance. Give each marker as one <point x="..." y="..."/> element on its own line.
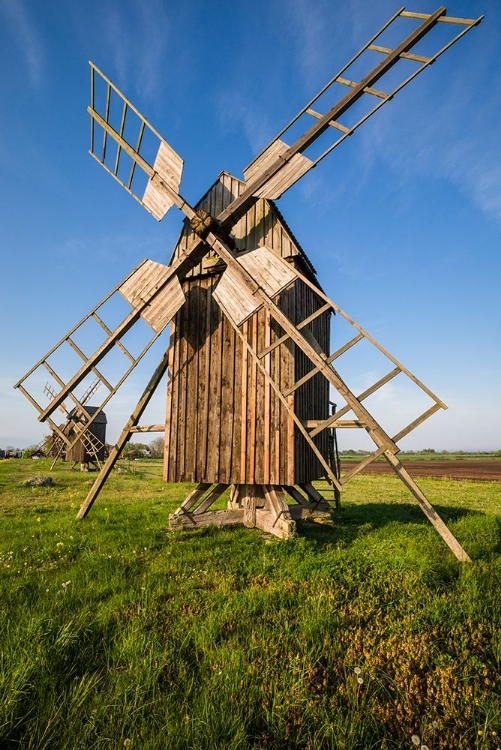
<point x="352" y="522"/>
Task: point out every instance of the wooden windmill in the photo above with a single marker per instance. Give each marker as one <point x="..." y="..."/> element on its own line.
<point x="75" y="439"/>
<point x="249" y="363"/>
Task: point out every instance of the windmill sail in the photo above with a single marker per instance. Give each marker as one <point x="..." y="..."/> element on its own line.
<point x="118" y="120"/>
<point x="154" y="293"/>
<point x="279" y="165"/>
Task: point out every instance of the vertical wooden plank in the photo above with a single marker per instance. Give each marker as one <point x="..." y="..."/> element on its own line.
<point x="182" y="385"/>
<point x="267" y="225"/>
<point x="276" y="354"/>
<point x="277" y="237"/>
<point x="251" y="400"/>
<point x="267" y="404"/>
<point x="238" y="367"/>
<point x="244" y="406"/>
<point x="251" y="228"/>
<point x="227" y="403"/>
<point x="291" y="353"/>
<point x="192" y="377"/>
<point x="284" y="379"/>
<point x="239" y="231"/>
<point x="204" y="377"/>
<point x="168" y="407"/>
<point x="175" y="401"/>
<point x="259" y="414"/>
<point x="214" y="416"/>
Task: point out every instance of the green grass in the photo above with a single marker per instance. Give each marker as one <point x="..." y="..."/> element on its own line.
<point x="117" y="633"/>
<point x="425" y="456"/>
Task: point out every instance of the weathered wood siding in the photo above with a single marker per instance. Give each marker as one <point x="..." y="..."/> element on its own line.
<point x="224" y="423"/>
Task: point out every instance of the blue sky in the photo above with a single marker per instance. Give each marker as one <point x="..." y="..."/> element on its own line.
<point x="402" y="221"/>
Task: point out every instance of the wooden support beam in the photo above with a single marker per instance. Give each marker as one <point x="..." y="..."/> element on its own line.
<point x="210" y="518"/>
<point x="330" y="359"/>
<point x="427" y="508"/>
<point x="299" y="326"/>
<point x="193" y="497"/>
<point x="149" y="428"/>
<point x="124" y="436"/>
<point x="210" y="499"/>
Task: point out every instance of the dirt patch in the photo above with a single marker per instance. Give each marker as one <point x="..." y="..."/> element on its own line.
<point x="479" y="470"/>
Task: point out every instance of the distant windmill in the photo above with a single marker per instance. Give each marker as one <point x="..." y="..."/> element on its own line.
<point x="76" y="439"/>
<point x="249" y="364"/>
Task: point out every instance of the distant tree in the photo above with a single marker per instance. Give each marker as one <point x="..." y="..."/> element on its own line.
<point x="157" y="447"/>
<point x="134" y="450"/>
<point x="28" y="452"/>
<point x="48" y="442"/>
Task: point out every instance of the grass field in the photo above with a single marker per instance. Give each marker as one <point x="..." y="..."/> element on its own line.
<point x="360" y="633"/>
<point x="426" y="456"/>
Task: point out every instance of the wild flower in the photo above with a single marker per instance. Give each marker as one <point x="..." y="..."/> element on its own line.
<point x="415" y="740"/>
<point x="360" y="681"/>
<point x="357" y="670"/>
<point x="60" y="544"/>
<point x="65" y="584"/>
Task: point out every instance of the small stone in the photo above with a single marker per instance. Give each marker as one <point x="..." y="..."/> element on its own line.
<point x="38" y="482"/>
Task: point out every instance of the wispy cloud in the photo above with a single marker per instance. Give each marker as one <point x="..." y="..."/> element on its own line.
<point x="236" y="110"/>
<point x="138" y="43"/>
<point x="31" y="46"/>
<point x="453" y="134"/>
<point x="312" y="30"/>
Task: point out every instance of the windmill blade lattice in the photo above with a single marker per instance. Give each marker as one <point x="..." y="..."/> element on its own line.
<point x="279" y="165"/>
<point x="153" y="293"/>
<point x="120" y="158"/>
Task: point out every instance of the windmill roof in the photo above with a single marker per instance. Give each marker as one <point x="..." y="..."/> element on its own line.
<point x="309" y="265"/>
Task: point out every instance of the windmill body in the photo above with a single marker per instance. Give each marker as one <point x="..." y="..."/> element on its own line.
<point x="224" y="422"/>
<point x="91" y="447"/>
<point x="249" y="362"/>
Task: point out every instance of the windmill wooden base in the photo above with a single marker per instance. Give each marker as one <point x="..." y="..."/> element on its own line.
<point x="252" y="505"/>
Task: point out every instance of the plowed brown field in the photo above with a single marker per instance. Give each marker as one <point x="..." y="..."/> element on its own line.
<point x="480" y="470"/>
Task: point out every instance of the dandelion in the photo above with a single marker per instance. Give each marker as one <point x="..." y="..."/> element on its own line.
<point x="424" y="747"/>
<point x="357" y="670"/>
<point x="415" y="740"/>
<point x="39" y="519"/>
<point x="360" y="681"/>
<point x="60" y="544"/>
